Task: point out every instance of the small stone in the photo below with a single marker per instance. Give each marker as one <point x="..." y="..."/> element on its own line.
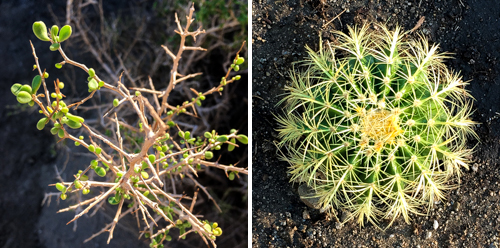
<point x="338" y="225"/>
<point x="435" y="225"/>
<point x="305" y="215"/>
<point x="474" y="167"/>
<point x="307" y="195"/>
<point x="345" y="215"/>
<point x="428" y="235"/>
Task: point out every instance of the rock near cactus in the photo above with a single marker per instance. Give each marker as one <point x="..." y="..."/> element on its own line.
<point x="376" y="125"/>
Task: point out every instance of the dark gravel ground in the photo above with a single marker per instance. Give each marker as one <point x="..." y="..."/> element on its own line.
<point x="470" y="217"/>
<point x="28" y="156"/>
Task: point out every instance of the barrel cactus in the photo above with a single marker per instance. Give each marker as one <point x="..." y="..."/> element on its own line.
<point x="376" y="124"/>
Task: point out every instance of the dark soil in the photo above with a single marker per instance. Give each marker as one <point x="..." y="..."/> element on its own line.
<point x="470" y="217"/>
<point x="29" y="156"/>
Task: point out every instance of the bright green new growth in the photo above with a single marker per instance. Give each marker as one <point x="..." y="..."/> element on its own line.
<point x="134" y="164"/>
<point x="376" y="125"/>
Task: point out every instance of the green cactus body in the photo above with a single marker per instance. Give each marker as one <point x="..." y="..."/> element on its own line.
<point x="376" y="125"/>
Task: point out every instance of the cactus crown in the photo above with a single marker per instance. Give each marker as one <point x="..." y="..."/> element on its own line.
<point x="376" y="124"/>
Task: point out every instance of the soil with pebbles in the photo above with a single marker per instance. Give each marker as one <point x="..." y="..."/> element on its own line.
<point x="470" y="217"/>
<point x="28" y="156"/>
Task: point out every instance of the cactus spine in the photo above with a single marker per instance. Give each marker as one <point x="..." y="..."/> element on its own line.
<point x="376" y="124"/>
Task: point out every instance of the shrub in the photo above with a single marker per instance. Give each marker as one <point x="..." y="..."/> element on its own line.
<point x="376" y="124"/>
<point x="134" y="177"/>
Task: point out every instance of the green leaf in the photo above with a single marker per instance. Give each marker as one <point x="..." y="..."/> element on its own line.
<point x="243" y="139"/>
<point x="26" y="88"/>
<point x="93" y="85"/>
<point x="53" y="31"/>
<point x="208" y="227"/>
<point x="75" y="118"/>
<point x="100" y="171"/>
<point x="231" y="147"/>
<point x="16" y="88"/>
<point x="54" y="130"/>
<point x="61" y="187"/>
<point x="40" y="30"/>
<point x="115" y="102"/>
<point x="222" y="138"/>
<point x="209" y="155"/>
<point x="54" y="47"/>
<point x="65" y="33"/>
<point x="208" y="135"/>
<point x="35" y="84"/>
<point x="61" y="133"/>
<point x="78" y="184"/>
<point x="73" y="124"/>
<point x="240" y="60"/>
<point x="112" y="200"/>
<point x="41" y="123"/>
<point x="152" y="158"/>
<point x="24" y="97"/>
